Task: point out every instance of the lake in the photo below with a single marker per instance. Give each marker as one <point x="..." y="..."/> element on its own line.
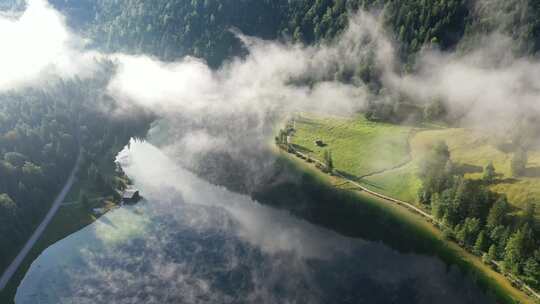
<point x="190" y="241"/>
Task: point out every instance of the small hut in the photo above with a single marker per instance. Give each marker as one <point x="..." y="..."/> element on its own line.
<point x="130" y="196"/>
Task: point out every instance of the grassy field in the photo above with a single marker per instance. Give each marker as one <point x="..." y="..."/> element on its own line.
<point x="360" y="147"/>
<point x="376" y="154"/>
<point x="384" y="157"/>
<point x="449" y="251"/>
<point x="471" y="151"/>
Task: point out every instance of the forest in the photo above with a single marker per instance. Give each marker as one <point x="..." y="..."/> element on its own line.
<point x="478" y="219"/>
<point x="202" y="28"/>
<point x="41" y="133"/>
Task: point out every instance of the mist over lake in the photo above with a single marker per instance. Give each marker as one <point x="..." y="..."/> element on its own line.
<point x="191" y="241"/>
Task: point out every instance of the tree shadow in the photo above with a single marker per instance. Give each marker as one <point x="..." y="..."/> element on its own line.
<point x="532" y="172"/>
<point x="468" y="168"/>
<point x="307" y="121"/>
<point x="348" y="175"/>
<point x="506" y="147"/>
<point x="508" y="180"/>
<point x="301" y="148"/>
<point x="357" y="179"/>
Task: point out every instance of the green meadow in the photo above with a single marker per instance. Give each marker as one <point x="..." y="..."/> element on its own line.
<point x="384" y="157"/>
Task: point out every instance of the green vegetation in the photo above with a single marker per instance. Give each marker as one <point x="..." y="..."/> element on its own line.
<point x="359" y="147"/>
<point x="355" y="217"/>
<point x="174" y="28"/>
<point x="456" y="180"/>
<point x="41" y="133"/>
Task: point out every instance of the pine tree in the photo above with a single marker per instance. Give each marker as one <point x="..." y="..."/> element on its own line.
<point x="492" y="253"/>
<point x="328" y="161"/>
<point x="497" y="213"/>
<point x="514" y="251"/>
<point x="489" y="173"/>
<point x="481" y="243"/>
<point x="519" y="162"/>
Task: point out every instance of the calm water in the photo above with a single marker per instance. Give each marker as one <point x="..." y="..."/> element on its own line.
<point x="193" y="242"/>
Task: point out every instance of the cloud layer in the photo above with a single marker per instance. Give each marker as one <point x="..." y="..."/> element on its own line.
<point x="36" y="45"/>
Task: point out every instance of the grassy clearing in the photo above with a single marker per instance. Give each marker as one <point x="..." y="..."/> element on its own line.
<point x="363" y="151"/>
<point x="472" y="151"/>
<point x="369" y="152"/>
<point x="359" y="147"/>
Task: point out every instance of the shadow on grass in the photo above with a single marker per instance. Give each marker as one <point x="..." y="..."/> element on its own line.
<point x="508" y="180"/>
<point x="468" y="168"/>
<point x="307" y="121"/>
<point x="532" y="172"/>
<point x="357" y="179"/>
<point x="301" y="148"/>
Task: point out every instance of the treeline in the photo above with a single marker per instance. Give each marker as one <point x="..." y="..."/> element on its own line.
<point x="41" y="133"/>
<point x="478" y="219"/>
<point x="173" y="28"/>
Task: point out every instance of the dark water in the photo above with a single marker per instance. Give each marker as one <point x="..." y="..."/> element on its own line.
<point x="193" y="242"/>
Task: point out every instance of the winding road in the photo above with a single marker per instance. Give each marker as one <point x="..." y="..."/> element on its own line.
<point x="12" y="268"/>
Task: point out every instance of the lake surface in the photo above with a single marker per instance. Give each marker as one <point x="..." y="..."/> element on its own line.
<point x="190" y="241"/>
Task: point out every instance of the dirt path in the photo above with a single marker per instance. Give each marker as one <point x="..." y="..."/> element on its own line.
<point x="400" y="165"/>
<point x="376" y="194"/>
<point x="12" y="268"/>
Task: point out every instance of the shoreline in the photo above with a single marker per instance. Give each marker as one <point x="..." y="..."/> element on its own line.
<point x="490" y="279"/>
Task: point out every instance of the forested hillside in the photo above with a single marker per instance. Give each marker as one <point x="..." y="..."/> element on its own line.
<point x="41" y="133"/>
<point x="173" y="28"/>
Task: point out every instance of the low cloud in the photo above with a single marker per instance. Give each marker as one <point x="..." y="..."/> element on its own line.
<point x="37" y="44"/>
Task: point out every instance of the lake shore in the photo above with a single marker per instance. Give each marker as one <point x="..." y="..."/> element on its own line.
<point x="451" y="252"/>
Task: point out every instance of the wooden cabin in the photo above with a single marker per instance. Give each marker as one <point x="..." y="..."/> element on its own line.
<point x="130" y="196"/>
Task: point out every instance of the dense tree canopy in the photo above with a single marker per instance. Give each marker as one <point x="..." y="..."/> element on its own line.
<point x="41" y="133"/>
<point x="479" y="219"/>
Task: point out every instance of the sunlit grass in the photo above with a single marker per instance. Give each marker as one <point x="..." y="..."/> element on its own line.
<point x="359" y="147"/>
<point x="371" y="151"/>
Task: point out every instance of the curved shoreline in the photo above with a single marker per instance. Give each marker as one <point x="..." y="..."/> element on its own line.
<point x="493" y="280"/>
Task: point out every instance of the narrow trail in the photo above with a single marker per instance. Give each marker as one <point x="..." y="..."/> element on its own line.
<point x="374" y="193"/>
<point x="12" y="268"/>
<point x="400" y="165"/>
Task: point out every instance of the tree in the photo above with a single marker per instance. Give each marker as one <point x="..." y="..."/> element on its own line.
<point x="528" y="214"/>
<point x="531" y="270"/>
<point x="497" y="213"/>
<point x="519" y="162"/>
<point x="434" y="110"/>
<point x="328" y="161"/>
<point x="514" y="251"/>
<point x="467" y="233"/>
<point x="492" y="253"/>
<point x="481" y="243"/>
<point x="432" y="171"/>
<point x="485" y="258"/>
<point x="7" y="206"/>
<point x="489" y="173"/>
<point x="84" y="201"/>
<point x="436" y="209"/>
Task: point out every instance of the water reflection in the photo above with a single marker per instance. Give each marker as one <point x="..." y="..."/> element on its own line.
<point x="192" y="242"/>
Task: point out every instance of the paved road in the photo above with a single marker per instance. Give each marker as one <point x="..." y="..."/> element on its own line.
<point x="8" y="273"/>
